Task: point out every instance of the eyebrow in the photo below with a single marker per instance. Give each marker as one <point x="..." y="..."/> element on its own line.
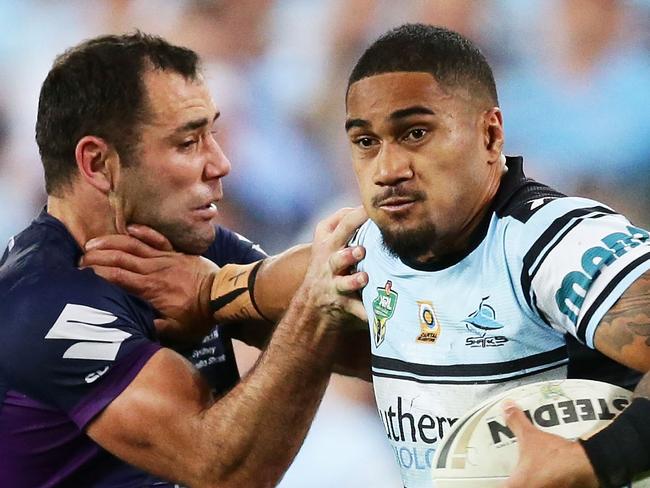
<point x="195" y="124"/>
<point x="396" y="115"/>
<point x="407" y="112"/>
<point x="350" y="123"/>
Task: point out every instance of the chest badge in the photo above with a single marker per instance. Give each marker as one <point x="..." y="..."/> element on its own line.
<point x="383" y="307"/>
<point x="482" y="324"/>
<point x="429" y="325"/>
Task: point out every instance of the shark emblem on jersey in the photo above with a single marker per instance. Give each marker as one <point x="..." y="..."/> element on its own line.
<point x="483" y="318"/>
<point x="383" y="307"/>
<point x="429" y="325"/>
<point x="480" y="322"/>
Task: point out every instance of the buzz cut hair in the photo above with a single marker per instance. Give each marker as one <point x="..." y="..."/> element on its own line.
<point x="453" y="60"/>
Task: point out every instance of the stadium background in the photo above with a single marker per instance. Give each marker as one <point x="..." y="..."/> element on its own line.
<point x="574" y="86"/>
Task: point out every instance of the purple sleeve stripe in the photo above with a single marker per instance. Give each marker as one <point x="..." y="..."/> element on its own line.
<point x="112" y="384"/>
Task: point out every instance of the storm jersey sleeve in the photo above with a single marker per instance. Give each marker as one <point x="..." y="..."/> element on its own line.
<point x="75" y="342"/>
<point x="231" y="247"/>
<point x="577" y="257"/>
<point x="214" y="357"/>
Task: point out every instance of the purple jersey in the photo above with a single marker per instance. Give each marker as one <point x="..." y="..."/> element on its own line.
<point x="70" y="343"/>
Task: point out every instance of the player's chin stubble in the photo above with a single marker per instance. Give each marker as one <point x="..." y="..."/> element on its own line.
<point x="410" y="245"/>
<point x="186" y="239"/>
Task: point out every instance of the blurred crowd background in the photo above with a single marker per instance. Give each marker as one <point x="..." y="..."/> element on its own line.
<point x="574" y="86"/>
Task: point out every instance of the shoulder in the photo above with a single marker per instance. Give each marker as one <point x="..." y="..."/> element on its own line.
<point x="40" y="299"/>
<point x="36" y="297"/>
<point x="231" y="247"/>
<point x="535" y="213"/>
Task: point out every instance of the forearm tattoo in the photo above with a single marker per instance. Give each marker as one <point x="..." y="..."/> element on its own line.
<point x="628" y="324"/>
<point x="629" y="318"/>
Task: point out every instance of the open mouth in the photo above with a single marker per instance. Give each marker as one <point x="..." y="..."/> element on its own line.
<point x="207" y="211"/>
<point x="211" y="205"/>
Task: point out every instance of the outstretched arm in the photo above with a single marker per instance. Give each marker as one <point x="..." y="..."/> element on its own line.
<point x="166" y="422"/>
<point x="193" y="293"/>
<point x="277" y="280"/>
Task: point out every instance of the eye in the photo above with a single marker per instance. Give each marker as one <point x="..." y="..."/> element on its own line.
<point x="414" y="135"/>
<point x="364" y="142"/>
<point x="187" y="144"/>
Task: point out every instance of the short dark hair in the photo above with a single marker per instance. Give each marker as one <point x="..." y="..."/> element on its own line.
<point x="97" y="88"/>
<point x="452" y="59"/>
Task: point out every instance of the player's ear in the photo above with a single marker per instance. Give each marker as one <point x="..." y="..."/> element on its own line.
<point x="98" y="162"/>
<point x="493" y="133"/>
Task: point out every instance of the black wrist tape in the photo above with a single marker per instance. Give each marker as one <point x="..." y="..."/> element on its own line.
<point x="622" y="449"/>
<point x="251" y="288"/>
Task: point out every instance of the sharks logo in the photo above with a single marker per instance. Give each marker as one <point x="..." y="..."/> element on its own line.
<point x="480" y="323"/>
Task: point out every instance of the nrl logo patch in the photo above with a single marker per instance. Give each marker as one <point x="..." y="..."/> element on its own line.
<point x="383" y="306"/>
<point x="429" y="325"/>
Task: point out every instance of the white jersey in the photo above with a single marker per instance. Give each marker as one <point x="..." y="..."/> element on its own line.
<point x="518" y="307"/>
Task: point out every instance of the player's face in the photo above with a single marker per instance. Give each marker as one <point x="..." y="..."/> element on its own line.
<point x="420" y="157"/>
<point x="178" y="166"/>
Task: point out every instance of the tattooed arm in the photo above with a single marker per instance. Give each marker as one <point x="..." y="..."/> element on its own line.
<point x="624" y="332"/>
<point x="547" y="460"/>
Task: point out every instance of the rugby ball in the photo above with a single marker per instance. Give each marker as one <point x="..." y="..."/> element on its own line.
<point x="481" y="451"/>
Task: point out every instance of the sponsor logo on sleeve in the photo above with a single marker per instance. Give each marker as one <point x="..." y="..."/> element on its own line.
<point x="86" y="326"/>
<point x="571" y="295"/>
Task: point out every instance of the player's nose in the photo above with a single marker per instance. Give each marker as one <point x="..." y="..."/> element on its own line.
<point x="393" y="166"/>
<point x="217" y="164"/>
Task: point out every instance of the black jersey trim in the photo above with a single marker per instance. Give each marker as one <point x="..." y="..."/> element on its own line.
<point x="581" y="329"/>
<point x="517" y="191"/>
<point x="555" y="365"/>
<point x="542" y="243"/>
<point x="463" y="370"/>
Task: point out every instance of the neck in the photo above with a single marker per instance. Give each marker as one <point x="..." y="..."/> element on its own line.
<point x="86" y="216"/>
<point x="461" y="241"/>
